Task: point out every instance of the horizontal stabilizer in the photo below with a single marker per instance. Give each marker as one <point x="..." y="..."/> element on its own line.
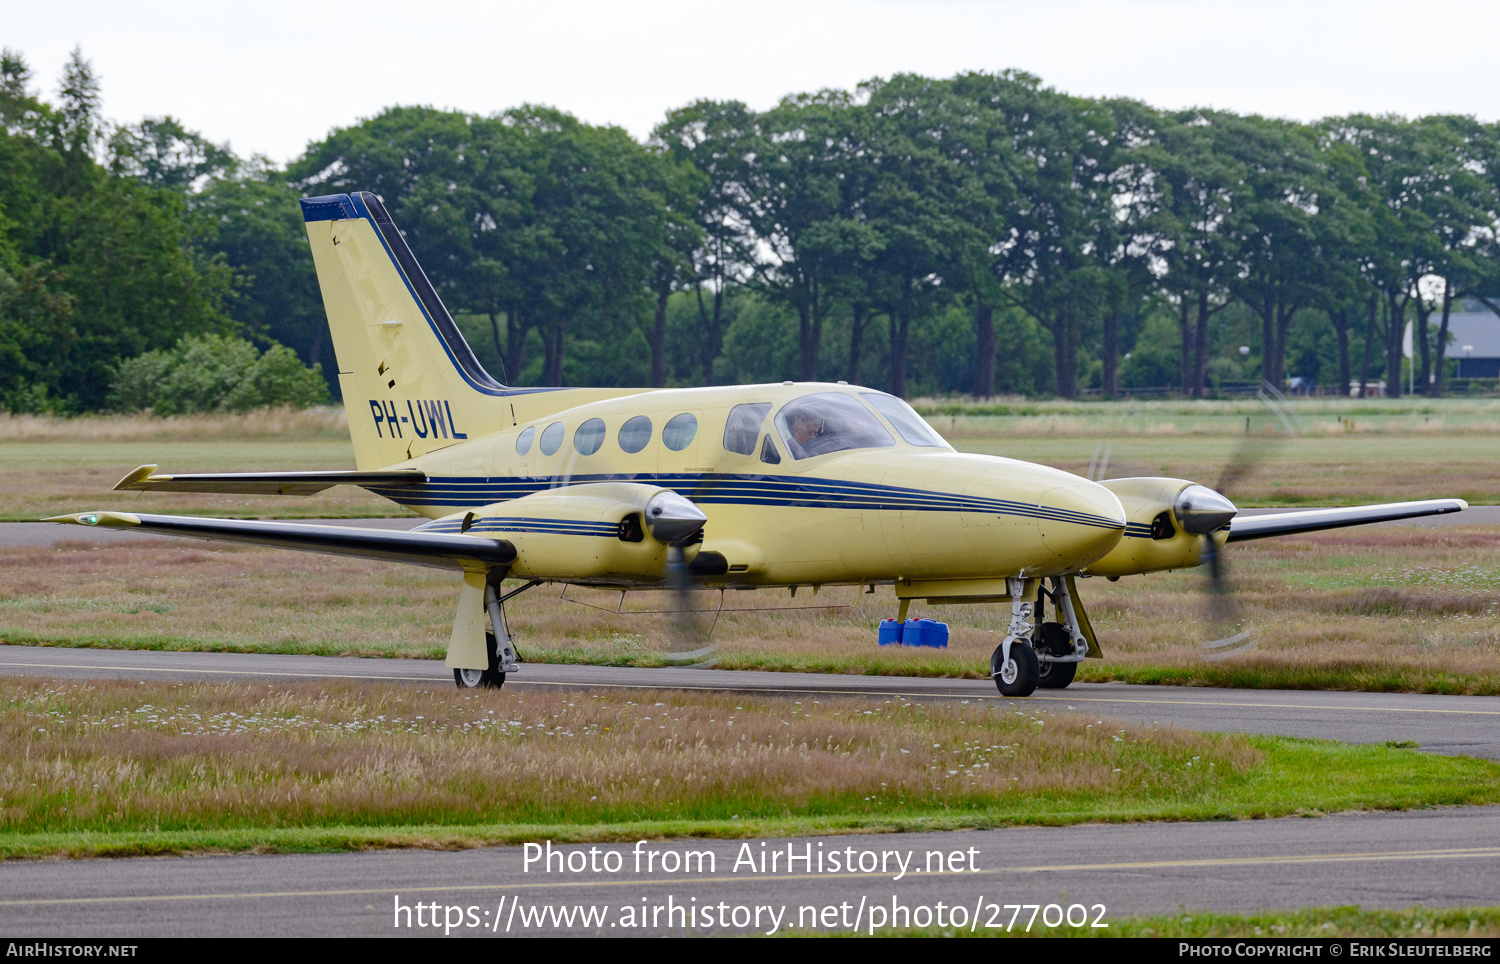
<point x="1314" y="520"/>
<point x="438" y="551"/>
<point x="146" y="479"/>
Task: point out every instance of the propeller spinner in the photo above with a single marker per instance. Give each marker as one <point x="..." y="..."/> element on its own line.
<point x="1200" y="510"/>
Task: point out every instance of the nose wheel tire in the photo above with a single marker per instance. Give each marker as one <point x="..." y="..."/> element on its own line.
<point x="1018" y="675"/>
<point x="492" y="678"/>
<point x="1055" y="676"/>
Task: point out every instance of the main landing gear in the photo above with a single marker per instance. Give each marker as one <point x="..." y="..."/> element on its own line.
<point x="491" y="678"/>
<point x="502" y="655"/>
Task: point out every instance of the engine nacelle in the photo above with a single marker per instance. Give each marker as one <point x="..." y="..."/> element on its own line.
<point x="1160" y="515"/>
<point x="596" y="533"/>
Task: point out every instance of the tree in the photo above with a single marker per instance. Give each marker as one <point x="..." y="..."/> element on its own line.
<point x="1404" y="241"/>
<point x="925" y="212"/>
<point x="794" y="205"/>
<point x="254" y="223"/>
<point x="1464" y="207"/>
<point x="1289" y="212"/>
<point x="160" y="152"/>
<point x="531" y="214"/>
<point x="1197" y="222"/>
<point x="214" y="373"/>
<point x="1053" y="259"/>
<point x="717" y="138"/>
<point x="114" y="259"/>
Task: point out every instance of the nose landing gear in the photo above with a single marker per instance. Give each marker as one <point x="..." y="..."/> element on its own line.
<point x="1014" y="666"/>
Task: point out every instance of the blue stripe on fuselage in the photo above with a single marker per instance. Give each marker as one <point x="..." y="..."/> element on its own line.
<point x="712" y="489"/>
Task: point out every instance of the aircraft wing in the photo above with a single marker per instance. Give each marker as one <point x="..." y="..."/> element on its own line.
<point x="1312" y="520"/>
<point x="436" y="550"/>
<point x="146" y="479"/>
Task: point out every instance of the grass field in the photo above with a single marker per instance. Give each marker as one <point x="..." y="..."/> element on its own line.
<point x="50" y="466"/>
<point x="123" y="767"/>
<point x="1344" y="452"/>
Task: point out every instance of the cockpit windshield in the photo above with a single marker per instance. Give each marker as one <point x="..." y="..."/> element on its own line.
<point x="829" y="422"/>
<point x="912" y="426"/>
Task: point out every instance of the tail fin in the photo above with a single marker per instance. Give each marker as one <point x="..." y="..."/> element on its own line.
<point x="411" y="383"/>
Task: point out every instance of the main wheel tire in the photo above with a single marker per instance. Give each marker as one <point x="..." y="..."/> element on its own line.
<point x="1055" y="640"/>
<point x="1018" y="675"/>
<point x="1055" y="676"/>
<point x="492" y="678"/>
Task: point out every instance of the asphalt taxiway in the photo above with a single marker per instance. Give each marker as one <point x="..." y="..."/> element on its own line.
<point x="966" y="879"/>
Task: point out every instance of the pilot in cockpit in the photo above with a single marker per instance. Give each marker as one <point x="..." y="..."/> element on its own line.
<point x="806" y="427"/>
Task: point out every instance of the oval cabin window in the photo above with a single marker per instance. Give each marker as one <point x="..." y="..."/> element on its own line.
<point x="680" y="431"/>
<point x="589" y="436"/>
<point x="552" y="438"/>
<point x="634" y="434"/>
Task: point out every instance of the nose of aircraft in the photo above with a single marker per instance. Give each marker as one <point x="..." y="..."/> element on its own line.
<point x="1080" y="520"/>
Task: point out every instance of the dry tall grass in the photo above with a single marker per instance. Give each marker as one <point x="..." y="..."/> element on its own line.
<point x="120" y="756"/>
<point x="282" y="422"/>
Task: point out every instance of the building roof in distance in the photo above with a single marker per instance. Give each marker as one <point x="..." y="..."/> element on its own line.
<point x="1476" y="331"/>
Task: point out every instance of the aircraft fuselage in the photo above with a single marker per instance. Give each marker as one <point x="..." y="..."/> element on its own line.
<point x="876" y="514"/>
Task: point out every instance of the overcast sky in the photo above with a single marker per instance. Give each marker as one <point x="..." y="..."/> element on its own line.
<point x="271" y="76"/>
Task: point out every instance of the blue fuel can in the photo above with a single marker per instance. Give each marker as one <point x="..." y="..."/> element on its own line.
<point x="925" y="632"/>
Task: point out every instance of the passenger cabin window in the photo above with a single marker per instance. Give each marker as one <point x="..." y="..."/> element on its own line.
<point x="743" y="427"/>
<point x="552" y="438"/>
<point x="634" y="434"/>
<point x="680" y="431"/>
<point x="912" y="426"/>
<point x="589" y="436"/>
<point x="829" y="422"/>
<point x="524" y="440"/>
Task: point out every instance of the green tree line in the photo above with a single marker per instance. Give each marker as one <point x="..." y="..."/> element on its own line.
<point x="980" y="234"/>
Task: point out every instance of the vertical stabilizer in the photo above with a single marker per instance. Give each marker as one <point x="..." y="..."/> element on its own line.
<point x="411" y="383"/>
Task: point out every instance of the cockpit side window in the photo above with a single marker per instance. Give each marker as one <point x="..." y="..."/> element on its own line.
<point x="743" y="427"/>
<point x="912" y="426"/>
<point x="829" y="422"/>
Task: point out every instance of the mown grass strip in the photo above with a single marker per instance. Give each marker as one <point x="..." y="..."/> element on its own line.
<point x="1295" y="777"/>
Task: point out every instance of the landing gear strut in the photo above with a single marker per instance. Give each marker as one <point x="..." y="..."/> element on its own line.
<point x="498" y="645"/>
<point x="1013" y="666"/>
<point x="1060" y="645"/>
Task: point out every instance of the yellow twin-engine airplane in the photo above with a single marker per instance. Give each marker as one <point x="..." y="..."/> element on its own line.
<point x="745" y="486"/>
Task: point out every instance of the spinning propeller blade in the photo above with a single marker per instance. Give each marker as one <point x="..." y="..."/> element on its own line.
<point x="1202" y="511"/>
<point x="677" y="522"/>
